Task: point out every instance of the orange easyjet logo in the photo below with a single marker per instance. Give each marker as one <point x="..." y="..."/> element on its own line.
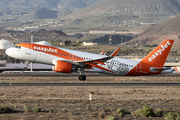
<point x="45" y="49"/>
<point x="159" y="52"/>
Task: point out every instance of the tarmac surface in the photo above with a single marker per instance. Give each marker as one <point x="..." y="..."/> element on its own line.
<point x="47" y="74"/>
<point x="89" y="84"/>
<point x="44" y="74"/>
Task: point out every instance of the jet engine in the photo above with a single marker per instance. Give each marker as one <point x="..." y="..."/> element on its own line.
<point x="64" y="67"/>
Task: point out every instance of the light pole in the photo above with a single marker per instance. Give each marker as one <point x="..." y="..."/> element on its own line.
<point x="31" y="42"/>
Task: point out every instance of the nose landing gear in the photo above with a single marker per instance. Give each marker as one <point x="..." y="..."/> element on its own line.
<point x="26" y="65"/>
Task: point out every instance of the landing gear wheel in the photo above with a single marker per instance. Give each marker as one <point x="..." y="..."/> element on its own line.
<point x="82" y="77"/>
<point x="25" y="68"/>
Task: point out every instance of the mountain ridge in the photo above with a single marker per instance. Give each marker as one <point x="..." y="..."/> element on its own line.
<point x="168" y="29"/>
<point x="129" y="6"/>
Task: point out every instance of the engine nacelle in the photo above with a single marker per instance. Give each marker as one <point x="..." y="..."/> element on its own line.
<point x="64" y="67"/>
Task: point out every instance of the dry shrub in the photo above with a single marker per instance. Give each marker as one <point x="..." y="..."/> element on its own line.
<point x="146" y="111"/>
<point x="5" y="109"/>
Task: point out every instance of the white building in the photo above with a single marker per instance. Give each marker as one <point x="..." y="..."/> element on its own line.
<point x="4" y="44"/>
<point x="88" y="43"/>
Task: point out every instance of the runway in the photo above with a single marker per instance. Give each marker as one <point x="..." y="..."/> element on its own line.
<point x="46" y="74"/>
<point x="84" y="83"/>
<point x="88" y="84"/>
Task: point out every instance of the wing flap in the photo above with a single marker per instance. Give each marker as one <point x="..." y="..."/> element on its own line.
<point x="94" y="62"/>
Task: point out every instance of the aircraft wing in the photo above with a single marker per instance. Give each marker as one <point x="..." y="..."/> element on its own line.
<point x="94" y="62"/>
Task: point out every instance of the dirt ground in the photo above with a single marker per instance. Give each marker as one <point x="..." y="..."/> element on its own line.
<point x="72" y="103"/>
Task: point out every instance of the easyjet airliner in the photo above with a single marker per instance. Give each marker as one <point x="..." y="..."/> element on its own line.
<point x="68" y="61"/>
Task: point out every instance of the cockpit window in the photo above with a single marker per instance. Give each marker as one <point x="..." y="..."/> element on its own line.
<point x="19" y="47"/>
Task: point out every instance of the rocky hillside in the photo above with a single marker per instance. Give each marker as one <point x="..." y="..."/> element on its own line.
<point x="50" y="32"/>
<point x="169" y="29"/>
<point x="50" y="4"/>
<point x="74" y="5"/>
<point x="63" y="12"/>
<point x="41" y="13"/>
<point x="130" y="6"/>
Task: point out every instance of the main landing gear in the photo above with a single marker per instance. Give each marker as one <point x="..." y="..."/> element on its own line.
<point x="82" y="76"/>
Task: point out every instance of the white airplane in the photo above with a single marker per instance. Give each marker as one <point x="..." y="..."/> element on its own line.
<point x="68" y="61"/>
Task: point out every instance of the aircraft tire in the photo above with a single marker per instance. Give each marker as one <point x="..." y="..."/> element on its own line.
<point x="83" y="78"/>
<point x="25" y="68"/>
<point x="80" y="77"/>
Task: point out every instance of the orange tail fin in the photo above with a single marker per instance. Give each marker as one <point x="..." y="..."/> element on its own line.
<point x="159" y="55"/>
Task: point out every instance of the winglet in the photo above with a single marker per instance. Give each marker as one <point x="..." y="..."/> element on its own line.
<point x="102" y="53"/>
<point x="115" y="52"/>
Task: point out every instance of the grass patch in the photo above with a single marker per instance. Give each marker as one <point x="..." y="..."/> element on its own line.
<point x="171" y="116"/>
<point x="112" y="118"/>
<point x="36" y="109"/>
<point x="5" y="109"/>
<point x="26" y="108"/>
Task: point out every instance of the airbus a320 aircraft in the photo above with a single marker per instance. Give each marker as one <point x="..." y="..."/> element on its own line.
<point x="68" y="61"/>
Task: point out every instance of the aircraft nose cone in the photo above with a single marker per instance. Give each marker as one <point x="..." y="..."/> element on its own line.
<point x="9" y="52"/>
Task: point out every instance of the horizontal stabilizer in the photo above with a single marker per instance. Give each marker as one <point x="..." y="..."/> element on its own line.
<point x="165" y="68"/>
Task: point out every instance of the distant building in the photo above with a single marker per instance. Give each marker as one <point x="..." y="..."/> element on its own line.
<point x="62" y="43"/>
<point x="102" y="32"/>
<point x="88" y="43"/>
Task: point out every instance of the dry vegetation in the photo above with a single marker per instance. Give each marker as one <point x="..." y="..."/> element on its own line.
<point x="73" y="102"/>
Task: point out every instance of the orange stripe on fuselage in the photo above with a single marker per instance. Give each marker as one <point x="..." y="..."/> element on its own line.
<point x="142" y="69"/>
<point x="97" y="66"/>
<point x="51" y="51"/>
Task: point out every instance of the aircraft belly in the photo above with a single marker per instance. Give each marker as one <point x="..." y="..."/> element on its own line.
<point x="44" y="58"/>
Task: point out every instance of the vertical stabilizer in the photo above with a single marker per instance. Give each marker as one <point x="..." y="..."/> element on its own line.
<point x="159" y="55"/>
